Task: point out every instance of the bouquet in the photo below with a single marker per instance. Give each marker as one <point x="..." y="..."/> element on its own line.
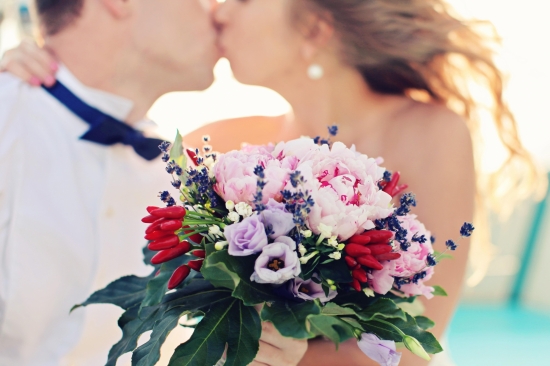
<point x="306" y="229"/>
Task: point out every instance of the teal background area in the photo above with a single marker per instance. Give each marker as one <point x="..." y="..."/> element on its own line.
<point x="500" y="336"/>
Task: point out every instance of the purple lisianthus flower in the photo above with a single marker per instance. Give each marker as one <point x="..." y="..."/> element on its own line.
<point x="309" y="290"/>
<point x="278" y="262"/>
<point x="246" y="237"/>
<point x="278" y="221"/>
<point x="378" y="350"/>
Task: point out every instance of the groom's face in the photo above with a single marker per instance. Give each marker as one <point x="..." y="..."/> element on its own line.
<point x="177" y="36"/>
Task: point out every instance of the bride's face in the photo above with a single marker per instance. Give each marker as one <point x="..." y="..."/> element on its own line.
<point x="260" y="40"/>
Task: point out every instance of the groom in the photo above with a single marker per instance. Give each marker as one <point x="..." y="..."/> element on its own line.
<point x="77" y="169"/>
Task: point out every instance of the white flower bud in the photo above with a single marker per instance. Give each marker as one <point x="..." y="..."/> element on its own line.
<point x="335" y="255"/>
<point x="325" y="230"/>
<point x="341" y="247"/>
<point x="302" y="249"/>
<point x="333" y="241"/>
<point x="368" y="291"/>
<point x="214" y="230"/>
<point x="306" y="259"/>
<point x="306" y="233"/>
<point x="220" y="245"/>
<point x="233" y="216"/>
<point x="415" y="347"/>
<point x="230" y="205"/>
<point x="243" y="209"/>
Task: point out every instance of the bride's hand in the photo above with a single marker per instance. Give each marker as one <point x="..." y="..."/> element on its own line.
<point x="276" y="350"/>
<point x="30" y="63"/>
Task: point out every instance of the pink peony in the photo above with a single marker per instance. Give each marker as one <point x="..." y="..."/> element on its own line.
<point x="343" y="184"/>
<point x="235" y="178"/>
<point x="412" y="261"/>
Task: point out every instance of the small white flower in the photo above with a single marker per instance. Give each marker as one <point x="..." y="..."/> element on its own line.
<point x="243" y="209"/>
<point x="306" y="233"/>
<point x="233" y="216"/>
<point x="341" y="247"/>
<point x="369" y="292"/>
<point x="230" y="205"/>
<point x="325" y="230"/>
<point x="302" y="249"/>
<point x="220" y="245"/>
<point x="335" y="255"/>
<point x="333" y="241"/>
<point x="214" y="230"/>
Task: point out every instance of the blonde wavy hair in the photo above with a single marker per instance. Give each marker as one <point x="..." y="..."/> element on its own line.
<point x="422" y="49"/>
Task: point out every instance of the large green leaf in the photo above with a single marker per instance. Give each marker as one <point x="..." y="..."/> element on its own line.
<point x="409" y="327"/>
<point x="125" y="292"/>
<point x="290" y="319"/>
<point x="332" y="309"/>
<point x="331" y="327"/>
<point x="158" y="286"/>
<point x="229" y="322"/>
<point x="384" y="308"/>
<point x="224" y="270"/>
<point x="424" y="323"/>
<point x="354" y="299"/>
<point x="148" y="354"/>
<point x="337" y="271"/>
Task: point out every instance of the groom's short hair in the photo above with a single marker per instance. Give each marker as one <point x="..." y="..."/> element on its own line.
<point x="57" y="14"/>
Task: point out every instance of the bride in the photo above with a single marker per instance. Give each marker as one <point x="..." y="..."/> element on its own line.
<point x="394" y="76"/>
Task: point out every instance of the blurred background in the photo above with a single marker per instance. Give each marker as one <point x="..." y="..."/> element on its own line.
<point x="504" y="318"/>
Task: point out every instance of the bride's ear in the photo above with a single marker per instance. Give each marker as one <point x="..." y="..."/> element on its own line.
<point x="318" y="31"/>
<point x="118" y="8"/>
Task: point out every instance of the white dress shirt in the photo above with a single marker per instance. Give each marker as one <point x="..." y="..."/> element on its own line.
<point x="69" y="224"/>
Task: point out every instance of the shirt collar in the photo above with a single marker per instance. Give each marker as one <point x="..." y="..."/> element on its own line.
<point x="111" y="104"/>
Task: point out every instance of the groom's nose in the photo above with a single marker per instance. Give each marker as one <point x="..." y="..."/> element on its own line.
<point x="211" y="5"/>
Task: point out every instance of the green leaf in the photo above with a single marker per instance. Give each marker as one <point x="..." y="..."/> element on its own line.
<point x="438" y="291"/>
<point x="354" y="299"/>
<point x="424" y="323"/>
<point x="331" y="309"/>
<point x="125" y="292"/>
<point x="147" y="254"/>
<point x="409" y="327"/>
<point x="224" y="270"/>
<point x="148" y="354"/>
<point x="337" y="271"/>
<point x="178" y="155"/>
<point x="130" y="335"/>
<point x="440" y="255"/>
<point x="290" y="319"/>
<point x="158" y="285"/>
<point x="228" y="322"/>
<point x="353" y="322"/>
<point x="384" y="308"/>
<point x="331" y="327"/>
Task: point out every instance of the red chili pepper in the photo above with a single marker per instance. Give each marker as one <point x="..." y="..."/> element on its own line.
<point x="193" y="155"/>
<point x="359" y="239"/>
<point x="179" y="275"/>
<point x="152" y="208"/>
<point x="169" y="254"/>
<point x="360" y="275"/>
<point x="350" y="261"/>
<point x="389" y="188"/>
<point x="378" y="236"/>
<point x="399" y="189"/>
<point x="171" y="225"/>
<point x="370" y="261"/>
<point x="377" y="249"/>
<point x="196" y="264"/>
<point x="196" y="238"/>
<point x="199" y="253"/>
<point x="356" y="250"/>
<point x="173" y="212"/>
<point x="388" y="256"/>
<point x="164" y="243"/>
<point x="149" y="219"/>
<point x="155" y="235"/>
<point x="154" y="226"/>
<point x="356" y="285"/>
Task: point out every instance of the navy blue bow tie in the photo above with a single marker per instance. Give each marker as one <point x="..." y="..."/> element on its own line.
<point x="104" y="129"/>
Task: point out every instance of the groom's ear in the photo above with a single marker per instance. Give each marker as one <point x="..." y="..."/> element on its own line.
<point x="119" y="8"/>
<point x="318" y="31"/>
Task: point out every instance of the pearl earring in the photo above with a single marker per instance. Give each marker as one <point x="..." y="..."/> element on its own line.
<point x="315" y="72"/>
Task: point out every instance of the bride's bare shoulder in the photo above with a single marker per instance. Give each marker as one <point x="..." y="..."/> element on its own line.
<point x="229" y="134"/>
